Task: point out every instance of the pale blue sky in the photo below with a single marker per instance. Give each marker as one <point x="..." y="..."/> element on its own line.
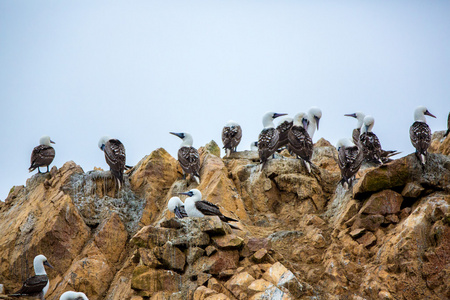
<point x="135" y="70"/>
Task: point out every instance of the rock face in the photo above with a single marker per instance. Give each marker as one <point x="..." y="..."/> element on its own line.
<point x="301" y="236"/>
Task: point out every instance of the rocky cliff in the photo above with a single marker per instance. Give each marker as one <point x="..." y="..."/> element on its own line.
<point x="301" y="237"/>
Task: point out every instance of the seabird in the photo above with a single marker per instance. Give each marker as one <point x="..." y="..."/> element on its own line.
<point x="38" y="284"/>
<point x="350" y="158"/>
<point x="114" y="156"/>
<point x="420" y="133"/>
<point x="284" y="125"/>
<point x="254" y="146"/>
<point x="313" y="117"/>
<point x="359" y="116"/>
<point x="299" y="140"/>
<point x="42" y="155"/>
<point x="370" y="143"/>
<point x="268" y="138"/>
<point x="73" y="296"/>
<point x="196" y="207"/>
<point x="176" y="206"/>
<point x="448" y="125"/>
<point x="188" y="156"/>
<point x="231" y="137"/>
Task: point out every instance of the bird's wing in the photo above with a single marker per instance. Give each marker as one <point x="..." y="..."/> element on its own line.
<point x="42" y="155"/>
<point x="420" y="134"/>
<point x="115" y="154"/>
<point x="180" y="212"/>
<point x="33" y="285"/>
<point x="207" y="208"/>
<point x="300" y="142"/>
<point x="189" y="159"/>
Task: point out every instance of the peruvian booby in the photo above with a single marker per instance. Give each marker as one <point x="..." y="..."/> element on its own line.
<point x="268" y="138"/>
<point x="38" y="284"/>
<point x="254" y="146"/>
<point x="73" y="296"/>
<point x="114" y="156"/>
<point x="448" y="125"/>
<point x="313" y="117"/>
<point x="176" y="206"/>
<point x="359" y="116"/>
<point x="284" y="125"/>
<point x="196" y="207"/>
<point x="420" y="133"/>
<point x="350" y="158"/>
<point x="299" y="140"/>
<point x="188" y="156"/>
<point x="231" y="137"/>
<point x="370" y="143"/>
<point x="42" y="155"/>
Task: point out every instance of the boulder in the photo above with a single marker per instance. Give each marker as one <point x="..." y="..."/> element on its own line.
<point x="382" y="203"/>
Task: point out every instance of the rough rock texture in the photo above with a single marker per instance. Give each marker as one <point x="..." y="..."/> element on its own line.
<point x="301" y="237"/>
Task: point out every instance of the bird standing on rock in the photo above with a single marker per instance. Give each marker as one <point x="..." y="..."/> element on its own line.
<point x="268" y="138"/>
<point x="350" y="158"/>
<point x="42" y="155"/>
<point x="196" y="207"/>
<point x="231" y="137"/>
<point x="188" y="156"/>
<point x="114" y="156"/>
<point x="369" y="141"/>
<point x="37" y="285"/>
<point x="420" y="133"/>
<point x="299" y="140"/>
<point x="284" y="125"/>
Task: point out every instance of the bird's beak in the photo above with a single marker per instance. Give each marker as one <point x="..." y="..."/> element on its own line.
<point x="278" y="115"/>
<point x="180" y="135"/>
<point x="48" y="265"/>
<point x="429" y="114"/>
<point x="317" y="122"/>
<point x="305" y="123"/>
<point x="351" y="115"/>
<point x="52" y="142"/>
<point x="185" y="193"/>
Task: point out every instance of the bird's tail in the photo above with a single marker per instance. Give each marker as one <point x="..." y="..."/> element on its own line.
<point x="31" y="169"/>
<point x="308" y="166"/>
<point x="228" y="150"/>
<point x="234" y="226"/>
<point x="423" y="159"/>
<point x="228" y="219"/>
<point x="197" y="178"/>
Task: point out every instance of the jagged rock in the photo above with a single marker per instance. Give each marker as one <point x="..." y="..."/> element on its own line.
<point x="238" y="283"/>
<point x="368" y="239"/>
<point x="210" y="250"/>
<point x="228" y="242"/>
<point x="37" y="219"/>
<point x="283" y="278"/>
<point x="155" y="280"/>
<point x="383" y="203"/>
<point x="194" y="253"/>
<point x="215" y="285"/>
<point x="439" y="144"/>
<point x="259" y="286"/>
<point x="171" y="257"/>
<point x="325" y="156"/>
<point x="412" y="190"/>
<point x="369" y="222"/>
<point x="272" y="293"/>
<point x="151" y="179"/>
<point x="111" y="238"/>
<point x="404" y="170"/>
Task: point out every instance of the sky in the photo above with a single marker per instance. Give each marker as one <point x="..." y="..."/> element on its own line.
<point x="135" y="70"/>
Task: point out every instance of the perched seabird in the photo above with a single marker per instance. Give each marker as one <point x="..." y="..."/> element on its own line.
<point x="370" y="143"/>
<point x="38" y="284"/>
<point x="313" y="117"/>
<point x="420" y="133"/>
<point x="73" y="296"/>
<point x="359" y="116"/>
<point x="114" y="156"/>
<point x="448" y="125"/>
<point x="196" y="207"/>
<point x="176" y="206"/>
<point x="284" y="125"/>
<point x="254" y="146"/>
<point x="299" y="140"/>
<point x="350" y="158"/>
<point x="231" y="137"/>
<point x="268" y="138"/>
<point x="42" y="155"/>
<point x="188" y="156"/>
